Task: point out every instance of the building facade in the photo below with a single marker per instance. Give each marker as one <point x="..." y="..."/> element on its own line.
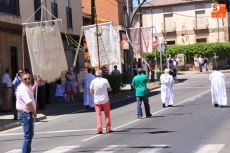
<point x="15" y="12"/>
<point x="184" y="22"/>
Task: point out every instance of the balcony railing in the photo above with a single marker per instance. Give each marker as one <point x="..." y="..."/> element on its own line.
<point x="69" y="17"/>
<point x="200" y="24"/>
<point x="14" y="10"/>
<point x="54" y="9"/>
<point x="168" y="27"/>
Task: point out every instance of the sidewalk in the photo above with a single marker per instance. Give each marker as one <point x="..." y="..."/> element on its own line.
<point x="7" y="122"/>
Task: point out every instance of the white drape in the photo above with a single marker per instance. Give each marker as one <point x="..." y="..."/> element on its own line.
<point x="46" y="42"/>
<point x="108" y="43"/>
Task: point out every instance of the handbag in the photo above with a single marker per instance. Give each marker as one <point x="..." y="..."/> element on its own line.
<point x="75" y="84"/>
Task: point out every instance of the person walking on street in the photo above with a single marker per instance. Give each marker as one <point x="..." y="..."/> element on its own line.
<point x="218" y="89"/>
<point x="200" y="59"/>
<point x="140" y="84"/>
<point x="16" y="82"/>
<point x="205" y="64"/>
<point x="7" y="91"/>
<point x="99" y="87"/>
<point x="26" y="107"/>
<point x="167" y="82"/>
<point x="88" y="98"/>
<point x="152" y="66"/>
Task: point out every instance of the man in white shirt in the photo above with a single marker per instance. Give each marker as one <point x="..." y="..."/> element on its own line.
<point x="99" y="87"/>
<point x="7" y="91"/>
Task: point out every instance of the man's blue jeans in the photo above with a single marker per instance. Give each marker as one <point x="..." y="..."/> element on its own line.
<point x="145" y="99"/>
<point x="27" y="121"/>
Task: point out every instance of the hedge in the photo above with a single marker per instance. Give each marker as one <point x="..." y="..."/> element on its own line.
<point x="208" y="49"/>
<point x="117" y="81"/>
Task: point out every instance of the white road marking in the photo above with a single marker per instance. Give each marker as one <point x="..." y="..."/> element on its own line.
<point x="62" y="149"/>
<point x="15" y="151"/>
<point x="192" y="99"/>
<point x="111" y="149"/>
<point x="211" y="148"/>
<point x="153" y="149"/>
<point x="51" y="132"/>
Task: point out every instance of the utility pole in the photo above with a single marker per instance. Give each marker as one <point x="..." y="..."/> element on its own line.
<point x="129" y="24"/>
<point x="92" y="12"/>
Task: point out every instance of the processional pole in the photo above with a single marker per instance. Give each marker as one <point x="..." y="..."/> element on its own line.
<point x="98" y="49"/>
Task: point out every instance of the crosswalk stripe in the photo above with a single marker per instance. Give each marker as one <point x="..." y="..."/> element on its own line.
<point x="111" y="149"/>
<point x="211" y="148"/>
<point x="153" y="149"/>
<point x="15" y="151"/>
<point x="61" y="149"/>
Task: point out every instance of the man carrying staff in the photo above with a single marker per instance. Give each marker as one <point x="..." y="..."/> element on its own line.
<point x="218" y="89"/>
<point x="167" y="82"/>
<point x="26" y="107"/>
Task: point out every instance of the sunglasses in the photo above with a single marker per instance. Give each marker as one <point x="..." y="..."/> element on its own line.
<point x="25" y="79"/>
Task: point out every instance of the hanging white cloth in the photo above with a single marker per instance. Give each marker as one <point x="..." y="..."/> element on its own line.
<point x="46" y="50"/>
<point x="218" y="88"/>
<point x="167" y="95"/>
<point x="88" y="98"/>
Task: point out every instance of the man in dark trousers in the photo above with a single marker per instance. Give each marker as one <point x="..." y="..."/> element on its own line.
<point x="140" y="84"/>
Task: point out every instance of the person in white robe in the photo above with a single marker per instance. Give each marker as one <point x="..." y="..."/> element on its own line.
<point x="167" y="95"/>
<point x="218" y="89"/>
<point x="88" y="98"/>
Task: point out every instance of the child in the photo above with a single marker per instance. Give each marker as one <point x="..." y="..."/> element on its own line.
<point x="59" y="91"/>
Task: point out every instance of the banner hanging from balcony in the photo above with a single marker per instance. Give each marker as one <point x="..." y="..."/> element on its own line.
<point x="46" y="50"/>
<point x="103" y="41"/>
<point x="141" y="39"/>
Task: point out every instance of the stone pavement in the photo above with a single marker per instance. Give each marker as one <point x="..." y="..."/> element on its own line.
<point x="7" y="122"/>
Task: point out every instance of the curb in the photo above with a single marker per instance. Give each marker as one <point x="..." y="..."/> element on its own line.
<point x="17" y="124"/>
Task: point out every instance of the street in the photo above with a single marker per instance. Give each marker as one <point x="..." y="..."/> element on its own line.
<point x="193" y="125"/>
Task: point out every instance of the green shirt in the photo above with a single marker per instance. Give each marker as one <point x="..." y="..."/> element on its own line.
<point x="140" y="84"/>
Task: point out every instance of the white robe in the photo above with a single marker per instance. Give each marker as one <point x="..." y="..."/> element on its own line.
<point x="88" y="98"/>
<point x="167" y="95"/>
<point x="218" y="89"/>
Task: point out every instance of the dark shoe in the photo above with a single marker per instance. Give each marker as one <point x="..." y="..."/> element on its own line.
<point x="170" y="105"/>
<point x="110" y="131"/>
<point x="149" y="116"/>
<point x="163" y="105"/>
<point x="86" y="107"/>
<point x="216" y="105"/>
<point x="15" y="118"/>
<point x="99" y="132"/>
<point x="220" y="106"/>
<point x="9" y="111"/>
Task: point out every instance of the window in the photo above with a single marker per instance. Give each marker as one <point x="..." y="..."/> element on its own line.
<point x="201" y="40"/>
<point x="200" y="19"/>
<point x="69" y="17"/>
<point x="37" y="4"/>
<point x="10" y="7"/>
<point x="168" y="22"/>
<point x="171" y="42"/>
<point x="54" y="9"/>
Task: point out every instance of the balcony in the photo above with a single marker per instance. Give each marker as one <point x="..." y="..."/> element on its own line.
<point x="69" y="17"/>
<point x="200" y="24"/>
<point x="8" y="9"/>
<point x="168" y="27"/>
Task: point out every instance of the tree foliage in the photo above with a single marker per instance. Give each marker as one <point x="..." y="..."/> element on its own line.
<point x="205" y="49"/>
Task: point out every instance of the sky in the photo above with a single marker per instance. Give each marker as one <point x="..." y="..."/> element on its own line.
<point x="135" y="2"/>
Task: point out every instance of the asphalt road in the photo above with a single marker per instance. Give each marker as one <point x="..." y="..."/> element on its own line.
<point x="192" y="125"/>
